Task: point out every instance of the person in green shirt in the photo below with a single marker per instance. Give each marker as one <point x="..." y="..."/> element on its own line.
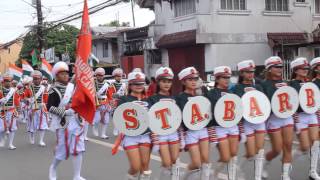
<point x="306" y="125"/>
<point x="251" y="134"/>
<point x="280" y="130"/>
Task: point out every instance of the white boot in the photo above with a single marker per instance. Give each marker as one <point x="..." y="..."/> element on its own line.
<point x="220" y="167"/>
<point x="104" y="132"/>
<point x="165" y="174"/>
<point x="11" y="137"/>
<point x="232" y="168"/>
<point x="258" y="165"/>
<point x="53" y="169"/>
<point x="2" y="139"/>
<point x="132" y="177"/>
<point x="192" y="175"/>
<point x="146" y="175"/>
<point x="205" y="171"/>
<point x="286" y="168"/>
<point x="77" y="164"/>
<point x="86" y="128"/>
<point x="41" y="142"/>
<point x="175" y="172"/>
<point x="31" y="138"/>
<point x="266" y="166"/>
<point x="115" y="132"/>
<point x="314" y="161"/>
<point x="95" y="130"/>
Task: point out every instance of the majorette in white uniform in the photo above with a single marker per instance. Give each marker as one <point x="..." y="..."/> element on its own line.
<point x="276" y="126"/>
<point x="37" y="96"/>
<point x="116" y="90"/>
<point x="102" y="114"/>
<point x="250" y="133"/>
<point x="67" y="124"/>
<point x="306" y="125"/>
<point x="9" y="105"/>
<point x="25" y="104"/>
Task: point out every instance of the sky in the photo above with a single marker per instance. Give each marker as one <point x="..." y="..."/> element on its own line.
<point x="15" y="15"/>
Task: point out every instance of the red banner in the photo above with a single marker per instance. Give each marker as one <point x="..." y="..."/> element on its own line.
<point x="83" y="100"/>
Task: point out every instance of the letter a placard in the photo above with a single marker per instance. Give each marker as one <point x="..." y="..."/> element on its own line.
<point x="256" y="107"/>
<point x="164" y="118"/>
<point x="285" y="102"/>
<point x="197" y="113"/>
<point x="131" y="119"/>
<point x="228" y="110"/>
<point x="309" y="97"/>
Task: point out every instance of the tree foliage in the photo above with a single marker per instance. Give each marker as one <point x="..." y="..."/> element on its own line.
<point x="62" y="38"/>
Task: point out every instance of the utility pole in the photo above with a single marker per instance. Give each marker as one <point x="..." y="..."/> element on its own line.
<point x="40" y="25"/>
<point x="133" y="18"/>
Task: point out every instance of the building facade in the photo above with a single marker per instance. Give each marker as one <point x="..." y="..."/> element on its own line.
<point x="9" y="53"/>
<point x="210" y="33"/>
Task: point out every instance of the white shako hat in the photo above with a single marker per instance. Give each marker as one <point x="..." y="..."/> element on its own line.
<point x="36" y="73"/>
<point x="273" y="61"/>
<point x="189" y="72"/>
<point x="117" y="72"/>
<point x="222" y="71"/>
<point x="59" y="67"/>
<point x="300" y="62"/>
<point x="315" y="62"/>
<point x="246" y="65"/>
<point x="136" y="78"/>
<point x="100" y="71"/>
<point x="164" y="73"/>
<point x="7" y="76"/>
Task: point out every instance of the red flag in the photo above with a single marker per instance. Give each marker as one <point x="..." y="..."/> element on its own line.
<point x="83" y="100"/>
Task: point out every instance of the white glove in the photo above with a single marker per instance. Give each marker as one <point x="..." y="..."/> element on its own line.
<point x="69" y="112"/>
<point x="3" y="100"/>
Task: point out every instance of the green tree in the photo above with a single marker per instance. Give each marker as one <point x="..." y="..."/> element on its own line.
<point x="62" y="38"/>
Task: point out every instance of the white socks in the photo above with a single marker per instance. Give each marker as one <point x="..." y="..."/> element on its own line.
<point x="205" y="171"/>
<point x="11" y="137"/>
<point x="77" y="164"/>
<point x="232" y="168"/>
<point x="41" y="134"/>
<point x="31" y="137"/>
<point x="286" y="168"/>
<point x="53" y="169"/>
<point x="258" y="164"/>
<point x="314" y="151"/>
<point x="86" y="128"/>
<point x="104" y="131"/>
<point x="175" y="172"/>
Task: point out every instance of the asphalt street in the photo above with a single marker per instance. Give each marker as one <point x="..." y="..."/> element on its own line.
<point x="31" y="162"/>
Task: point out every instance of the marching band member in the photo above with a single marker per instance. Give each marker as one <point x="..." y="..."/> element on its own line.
<point x="197" y="142"/>
<point x="103" y="108"/>
<point x="253" y="133"/>
<point x="116" y="90"/>
<point x="306" y="125"/>
<point x="68" y="124"/>
<point x="169" y="144"/>
<point x="279" y="130"/>
<point x="9" y="102"/>
<point x="138" y="148"/>
<point x="228" y="138"/>
<point x="20" y="92"/>
<point x="38" y="97"/>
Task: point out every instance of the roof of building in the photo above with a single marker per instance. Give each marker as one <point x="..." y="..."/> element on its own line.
<point x="7" y="44"/>
<point x="107" y="32"/>
<point x="179" y="39"/>
<point x="287" y="38"/>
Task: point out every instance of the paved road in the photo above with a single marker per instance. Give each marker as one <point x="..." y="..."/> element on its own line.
<point x="31" y="162"/>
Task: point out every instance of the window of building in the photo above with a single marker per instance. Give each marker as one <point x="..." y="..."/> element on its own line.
<point x="301" y="1"/>
<point x="277" y="5"/>
<point x="316" y="52"/>
<point x="184" y="7"/>
<point x="233" y="4"/>
<point x="317" y="6"/>
<point x="105" y="49"/>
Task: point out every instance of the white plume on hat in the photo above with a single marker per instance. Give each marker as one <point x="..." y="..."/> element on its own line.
<point x="58" y="67"/>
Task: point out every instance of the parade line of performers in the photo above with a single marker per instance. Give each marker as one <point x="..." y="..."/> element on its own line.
<point x="44" y="106"/>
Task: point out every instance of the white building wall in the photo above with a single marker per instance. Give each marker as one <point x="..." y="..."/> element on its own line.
<point x="99" y="52"/>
